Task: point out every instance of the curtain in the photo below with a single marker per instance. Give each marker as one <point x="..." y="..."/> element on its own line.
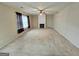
<point x="19" y="22"/>
<point x="28" y="22"/>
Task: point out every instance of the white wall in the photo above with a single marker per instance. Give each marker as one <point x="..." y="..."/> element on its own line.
<point x="66" y="22"/>
<point x="7" y="25"/>
<point x="34" y="21"/>
<point x="49" y="21"/>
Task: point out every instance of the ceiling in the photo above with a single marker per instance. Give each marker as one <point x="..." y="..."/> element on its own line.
<point x="34" y="7"/>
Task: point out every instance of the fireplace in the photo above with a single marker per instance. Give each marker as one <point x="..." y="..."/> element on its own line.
<point x="41" y="25"/>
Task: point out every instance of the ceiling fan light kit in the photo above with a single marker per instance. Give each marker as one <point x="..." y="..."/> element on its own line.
<point x="40" y="13"/>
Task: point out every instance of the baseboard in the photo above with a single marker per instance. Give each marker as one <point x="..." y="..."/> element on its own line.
<point x="64" y="37"/>
<point x="14" y="39"/>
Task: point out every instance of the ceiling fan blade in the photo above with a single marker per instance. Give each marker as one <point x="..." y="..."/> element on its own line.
<point x="46" y="8"/>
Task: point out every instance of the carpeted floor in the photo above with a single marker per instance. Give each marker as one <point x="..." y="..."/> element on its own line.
<point x="41" y="42"/>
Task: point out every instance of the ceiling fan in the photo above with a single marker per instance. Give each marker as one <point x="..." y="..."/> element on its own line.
<point x="43" y="10"/>
<point x="39" y="10"/>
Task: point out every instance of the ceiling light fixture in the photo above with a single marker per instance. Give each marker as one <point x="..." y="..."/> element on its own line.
<point x="41" y="12"/>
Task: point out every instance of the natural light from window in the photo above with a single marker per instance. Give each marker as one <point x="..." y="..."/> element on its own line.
<point x="25" y="21"/>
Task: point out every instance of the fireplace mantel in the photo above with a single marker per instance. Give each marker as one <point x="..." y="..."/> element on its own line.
<point x="42" y="21"/>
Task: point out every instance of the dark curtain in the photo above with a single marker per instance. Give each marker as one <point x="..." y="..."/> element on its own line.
<point x="19" y="22"/>
<point x="28" y="22"/>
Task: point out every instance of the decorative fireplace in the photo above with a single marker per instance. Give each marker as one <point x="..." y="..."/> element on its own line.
<point x="41" y="25"/>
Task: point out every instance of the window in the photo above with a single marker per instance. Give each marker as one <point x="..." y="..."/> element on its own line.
<point x="22" y="22"/>
<point x="25" y="21"/>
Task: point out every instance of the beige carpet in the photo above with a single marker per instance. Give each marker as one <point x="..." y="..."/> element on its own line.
<point x="44" y="42"/>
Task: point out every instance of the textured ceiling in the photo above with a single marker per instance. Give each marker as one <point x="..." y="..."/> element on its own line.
<point x="34" y="7"/>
